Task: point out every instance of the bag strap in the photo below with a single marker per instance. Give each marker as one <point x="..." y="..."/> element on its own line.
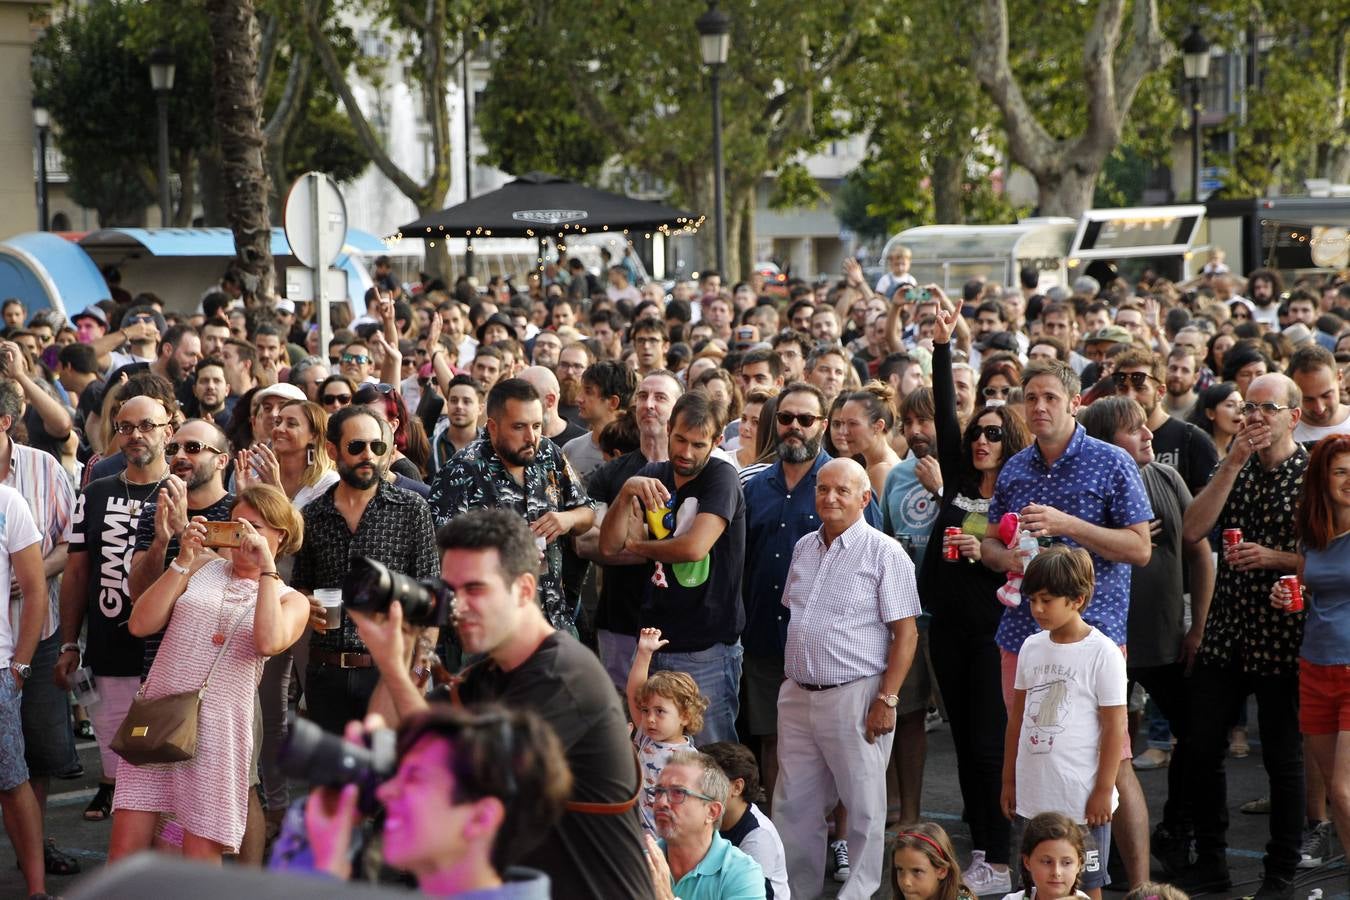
<point x="239" y="618"/>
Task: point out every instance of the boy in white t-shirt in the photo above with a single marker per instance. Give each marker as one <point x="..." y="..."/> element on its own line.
<point x="1067" y="721"/>
<point x="21" y="560"/>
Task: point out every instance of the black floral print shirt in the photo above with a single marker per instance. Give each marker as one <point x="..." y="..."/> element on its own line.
<point x="1244" y="631"/>
<point x="476" y="478"/>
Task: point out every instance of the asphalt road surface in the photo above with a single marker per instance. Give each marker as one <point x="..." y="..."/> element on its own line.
<point x="87" y="841"/>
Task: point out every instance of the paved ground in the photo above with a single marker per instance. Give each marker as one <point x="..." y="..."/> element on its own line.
<point x="88" y="841"/>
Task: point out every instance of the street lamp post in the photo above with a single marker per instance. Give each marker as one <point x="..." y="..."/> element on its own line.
<point x="1195" y="63"/>
<point x="42" y="122"/>
<point x="161" y="80"/>
<point x="714" y="39"/>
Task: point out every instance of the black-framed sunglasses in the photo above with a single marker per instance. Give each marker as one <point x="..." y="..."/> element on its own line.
<point x="145" y="427"/>
<point x="338" y="399"/>
<point x="378" y="447"/>
<point x="192" y="448"/>
<point x="994" y="391"/>
<point x="1137" y="380"/>
<point x="992" y="433"/>
<point x="805" y="420"/>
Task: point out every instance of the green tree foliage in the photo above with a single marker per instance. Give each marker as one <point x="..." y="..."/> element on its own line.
<point x="91" y="68"/>
<point x="614" y="80"/>
<point x="94" y="78"/>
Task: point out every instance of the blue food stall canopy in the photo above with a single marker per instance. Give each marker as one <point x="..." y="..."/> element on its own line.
<point x="47" y="271"/>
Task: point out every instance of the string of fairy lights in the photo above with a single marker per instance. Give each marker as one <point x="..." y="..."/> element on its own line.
<point x="682" y="225"/>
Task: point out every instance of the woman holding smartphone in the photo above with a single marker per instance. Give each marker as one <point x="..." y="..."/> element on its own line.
<point x="298" y="464"/>
<point x="226" y="604"/>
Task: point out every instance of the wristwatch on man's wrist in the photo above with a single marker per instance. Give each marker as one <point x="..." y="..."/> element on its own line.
<point x="891" y="700"/>
<point x="23" y="670"/>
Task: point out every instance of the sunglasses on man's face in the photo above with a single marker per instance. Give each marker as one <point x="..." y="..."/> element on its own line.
<point x="805" y="420"/>
<point x="356" y="448"/>
<point x="359" y="359"/>
<point x="191" y="448"/>
<point x="1137" y="380"/>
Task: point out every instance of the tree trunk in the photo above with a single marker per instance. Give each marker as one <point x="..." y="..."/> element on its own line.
<point x="436" y="254"/>
<point x="212" y="187"/>
<point x="1066" y="191"/>
<point x="948" y="181"/>
<point x="735" y="217"/>
<point x="187" y="195"/>
<point x="745" y="244"/>
<point x="234" y="60"/>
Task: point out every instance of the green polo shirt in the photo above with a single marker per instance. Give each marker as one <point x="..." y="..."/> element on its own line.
<point x="724" y="873"/>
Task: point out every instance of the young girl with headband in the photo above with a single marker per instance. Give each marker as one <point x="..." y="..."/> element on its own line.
<point x="924" y="865"/>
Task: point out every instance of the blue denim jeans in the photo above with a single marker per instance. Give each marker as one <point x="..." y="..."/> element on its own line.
<point x="717" y="671"/>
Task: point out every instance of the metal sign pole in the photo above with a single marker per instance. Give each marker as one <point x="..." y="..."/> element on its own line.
<point x="320" y="297"/>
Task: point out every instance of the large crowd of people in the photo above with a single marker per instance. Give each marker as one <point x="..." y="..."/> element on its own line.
<point x="712" y="561"/>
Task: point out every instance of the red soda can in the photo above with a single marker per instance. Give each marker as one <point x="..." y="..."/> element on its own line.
<point x="1232" y="536"/>
<point x="1295" y="593"/>
<point x="950" y="551"/>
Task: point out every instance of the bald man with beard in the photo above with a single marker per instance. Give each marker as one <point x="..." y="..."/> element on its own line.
<point x="556" y="428"/>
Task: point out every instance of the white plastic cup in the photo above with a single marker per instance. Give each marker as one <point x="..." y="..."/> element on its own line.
<point x="331" y="601"/>
<point x="86" y="693"/>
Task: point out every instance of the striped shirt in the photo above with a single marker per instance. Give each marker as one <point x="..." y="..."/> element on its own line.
<point x="842" y="598"/>
<point x="46" y="487"/>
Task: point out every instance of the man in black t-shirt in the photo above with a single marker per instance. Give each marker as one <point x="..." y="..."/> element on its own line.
<point x="94" y="588"/>
<point x="624" y="579"/>
<point x="687" y="516"/>
<point x="1178" y="444"/>
<point x="490" y="560"/>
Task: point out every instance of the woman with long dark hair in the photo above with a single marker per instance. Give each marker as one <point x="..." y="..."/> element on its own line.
<point x="1322" y="521"/>
<point x="961" y="596"/>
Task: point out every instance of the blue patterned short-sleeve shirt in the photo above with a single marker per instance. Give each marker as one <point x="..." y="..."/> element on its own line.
<point x="1096" y="482"/>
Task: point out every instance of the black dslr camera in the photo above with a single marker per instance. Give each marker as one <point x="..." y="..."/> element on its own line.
<point x="311" y="754"/>
<point x="370" y="587"/>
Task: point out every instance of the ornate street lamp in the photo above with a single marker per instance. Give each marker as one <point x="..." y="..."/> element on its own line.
<point x="161" y="80"/>
<point x="714" y="40"/>
<point x="1195" y="63"/>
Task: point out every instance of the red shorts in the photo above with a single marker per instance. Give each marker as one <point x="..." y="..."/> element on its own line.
<point x="1008" y="663"/>
<point x="1323" y="698"/>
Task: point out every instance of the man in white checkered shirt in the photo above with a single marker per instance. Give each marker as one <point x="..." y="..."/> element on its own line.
<point x="850" y="642"/>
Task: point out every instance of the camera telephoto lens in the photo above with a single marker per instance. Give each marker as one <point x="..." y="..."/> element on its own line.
<point x="311" y="754"/>
<point x="370" y="587"/>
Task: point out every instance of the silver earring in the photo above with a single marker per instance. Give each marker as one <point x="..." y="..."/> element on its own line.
<point x="309" y="456"/>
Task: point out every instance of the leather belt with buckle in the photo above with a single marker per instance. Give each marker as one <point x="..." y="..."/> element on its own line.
<point x="814" y="688"/>
<point x="342" y="660"/>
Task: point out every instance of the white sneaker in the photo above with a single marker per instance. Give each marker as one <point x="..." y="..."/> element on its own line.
<point x="839" y="849"/>
<point x="983" y="879"/>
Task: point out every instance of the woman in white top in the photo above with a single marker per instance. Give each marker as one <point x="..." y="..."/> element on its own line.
<point x="299" y="465"/>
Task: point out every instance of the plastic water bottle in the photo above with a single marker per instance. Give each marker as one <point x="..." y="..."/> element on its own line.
<point x="1027" y="548"/>
<point x="1316" y="894"/>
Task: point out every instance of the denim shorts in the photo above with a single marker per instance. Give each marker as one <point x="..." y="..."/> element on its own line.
<point x="13" y="769"/>
<point x="49" y="734"/>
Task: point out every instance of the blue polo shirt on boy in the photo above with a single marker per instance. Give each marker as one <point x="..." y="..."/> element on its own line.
<point x="723" y="872"/>
<point x="1096" y="482"/>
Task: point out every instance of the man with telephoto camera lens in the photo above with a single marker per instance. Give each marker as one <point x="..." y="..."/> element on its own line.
<point x="490" y="563"/>
<point x="474" y="790"/>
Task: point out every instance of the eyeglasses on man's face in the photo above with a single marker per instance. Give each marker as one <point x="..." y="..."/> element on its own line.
<point x="144" y="427"/>
<point x="676" y="796"/>
<point x="1266" y="409"/>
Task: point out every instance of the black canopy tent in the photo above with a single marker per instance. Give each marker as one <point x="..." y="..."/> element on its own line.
<point x="542" y="206"/>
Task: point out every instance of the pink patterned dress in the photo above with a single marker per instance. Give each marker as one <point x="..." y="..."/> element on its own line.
<point x="208" y="794"/>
